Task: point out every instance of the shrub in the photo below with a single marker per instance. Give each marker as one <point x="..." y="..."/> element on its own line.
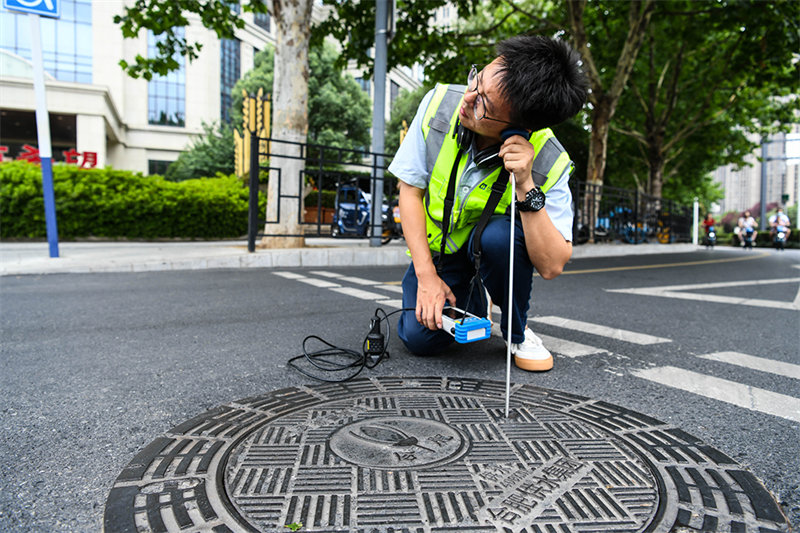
<point x="116" y="203"/>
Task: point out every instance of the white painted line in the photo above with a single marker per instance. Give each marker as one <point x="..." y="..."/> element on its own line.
<point x="351" y="279"/>
<point x="730" y="300"/>
<point x="597" y="329"/>
<point x="670" y="291"/>
<point x="752" y="398"/>
<point x="756" y="363"/>
<point x="325" y="274"/>
<point x="720" y="284"/>
<point x="288" y="275"/>
<point x="397" y="304"/>
<point x="358" y="293"/>
<point x="391" y="288"/>
<point x="569" y="348"/>
<point x="318" y="283"/>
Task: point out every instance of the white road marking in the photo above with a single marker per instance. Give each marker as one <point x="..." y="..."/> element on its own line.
<point x="288" y="275"/>
<point x="569" y="348"/>
<point x="755" y="399"/>
<point x="358" y="293"/>
<point x="341" y="277"/>
<point x="319" y="283"/>
<point x="672" y="291"/>
<point x="397" y="304"/>
<point x="391" y="288"/>
<point x="597" y="329"/>
<point x="756" y="363"/>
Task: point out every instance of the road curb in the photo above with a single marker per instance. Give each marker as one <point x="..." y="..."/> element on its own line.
<point x="82" y="258"/>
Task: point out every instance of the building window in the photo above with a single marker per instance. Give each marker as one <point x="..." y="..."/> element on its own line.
<point x="394" y="91"/>
<point x="166" y="95"/>
<point x="262" y="20"/>
<point x="66" y="41"/>
<point x="235" y="7"/>
<point x="229" y="69"/>
<point x="154" y="166"/>
<point x="364" y="84"/>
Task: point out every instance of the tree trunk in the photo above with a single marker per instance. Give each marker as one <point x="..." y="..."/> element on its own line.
<point x="289" y="120"/>
<point x="604" y="98"/>
<point x="656" y="176"/>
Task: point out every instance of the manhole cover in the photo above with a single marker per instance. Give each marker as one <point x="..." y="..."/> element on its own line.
<point x="433" y="454"/>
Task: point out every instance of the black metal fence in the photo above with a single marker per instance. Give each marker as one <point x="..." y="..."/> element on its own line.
<point x="605" y="213"/>
<point x="326" y="169"/>
<point x="602" y="213"/>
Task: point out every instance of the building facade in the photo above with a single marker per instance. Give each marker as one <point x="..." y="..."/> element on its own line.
<point x="742" y="186"/>
<point x="98" y="114"/>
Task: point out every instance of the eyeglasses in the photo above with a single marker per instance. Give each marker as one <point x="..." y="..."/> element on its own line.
<point x="479" y="107"/>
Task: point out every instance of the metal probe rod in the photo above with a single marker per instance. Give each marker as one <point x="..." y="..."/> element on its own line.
<point x="510" y="292"/>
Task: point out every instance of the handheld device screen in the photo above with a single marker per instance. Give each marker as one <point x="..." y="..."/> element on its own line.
<point x="452" y="312"/>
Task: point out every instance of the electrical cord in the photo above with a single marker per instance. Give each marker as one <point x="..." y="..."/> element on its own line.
<point x="336" y="359"/>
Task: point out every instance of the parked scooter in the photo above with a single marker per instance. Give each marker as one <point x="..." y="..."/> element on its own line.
<point x="779" y="240"/>
<point x="711" y="236"/>
<point x="747" y="235"/>
<point x="351" y="217"/>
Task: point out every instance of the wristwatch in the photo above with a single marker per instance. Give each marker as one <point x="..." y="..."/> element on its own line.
<point x="533" y="201"/>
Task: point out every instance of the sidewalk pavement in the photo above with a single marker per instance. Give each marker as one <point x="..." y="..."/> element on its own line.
<point x="20" y="258"/>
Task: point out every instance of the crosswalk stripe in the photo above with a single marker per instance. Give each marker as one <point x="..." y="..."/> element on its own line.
<point x="756" y="363"/>
<point x="569" y="348"/>
<point x="341" y="277"/>
<point x="755" y="399"/>
<point x="391" y="288"/>
<point x="597" y="329"/>
<point x="397" y="304"/>
<point x="319" y="283"/>
<point x="677" y="291"/>
<point x="288" y="275"/>
<point x="358" y="293"/>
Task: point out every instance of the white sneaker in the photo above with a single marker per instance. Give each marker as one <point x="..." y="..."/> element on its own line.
<point x="531" y="354"/>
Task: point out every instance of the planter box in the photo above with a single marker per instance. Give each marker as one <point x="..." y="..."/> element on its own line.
<point x="310" y="215"/>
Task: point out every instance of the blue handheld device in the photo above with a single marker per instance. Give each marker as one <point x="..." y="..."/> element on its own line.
<point x="465" y="327"/>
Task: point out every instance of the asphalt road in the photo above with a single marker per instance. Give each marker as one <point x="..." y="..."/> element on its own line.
<point x="94" y="367"/>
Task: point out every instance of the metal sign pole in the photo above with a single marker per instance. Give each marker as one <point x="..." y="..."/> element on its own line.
<point x="43" y="133"/>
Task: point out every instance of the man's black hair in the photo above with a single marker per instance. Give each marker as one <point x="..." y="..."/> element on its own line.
<point x="542" y="79"/>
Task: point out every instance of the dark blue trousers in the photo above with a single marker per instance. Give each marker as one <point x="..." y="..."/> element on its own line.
<point x="457" y="271"/>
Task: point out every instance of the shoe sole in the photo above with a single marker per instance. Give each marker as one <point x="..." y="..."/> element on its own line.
<point x="534" y="365"/>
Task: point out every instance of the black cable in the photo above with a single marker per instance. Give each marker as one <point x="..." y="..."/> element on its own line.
<point x="336" y="359"/>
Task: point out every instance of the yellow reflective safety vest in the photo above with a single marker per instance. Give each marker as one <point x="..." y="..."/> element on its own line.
<point x="438" y="129"/>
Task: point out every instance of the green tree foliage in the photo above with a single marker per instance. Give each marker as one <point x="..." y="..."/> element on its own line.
<point x="684" y="80"/>
<point x="339" y="113"/>
<point x="708" y="73"/>
<point x="209" y="155"/>
<point x="167" y="20"/>
<point x="121" y="204"/>
<point x="404" y="108"/>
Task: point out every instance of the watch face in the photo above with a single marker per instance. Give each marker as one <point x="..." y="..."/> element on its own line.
<point x="534" y="200"/>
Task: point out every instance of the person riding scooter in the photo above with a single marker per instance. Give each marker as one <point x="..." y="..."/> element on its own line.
<point x="711" y="234"/>
<point x="747" y="230"/>
<point x="779" y="219"/>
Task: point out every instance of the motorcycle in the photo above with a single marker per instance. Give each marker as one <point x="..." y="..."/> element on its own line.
<point x="747" y="238"/>
<point x="352" y="211"/>
<point x="711" y="237"/>
<point x="779" y="240"/>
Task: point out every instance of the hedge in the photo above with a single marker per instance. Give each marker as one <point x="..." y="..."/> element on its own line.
<point x="112" y="203"/>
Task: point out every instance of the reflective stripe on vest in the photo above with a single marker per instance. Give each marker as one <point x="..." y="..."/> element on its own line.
<point x="438" y="129"/>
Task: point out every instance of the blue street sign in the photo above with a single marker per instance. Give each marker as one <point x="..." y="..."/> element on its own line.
<point x="46" y="8"/>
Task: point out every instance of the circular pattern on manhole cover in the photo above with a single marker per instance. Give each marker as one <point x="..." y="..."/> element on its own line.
<point x="433" y="454"/>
